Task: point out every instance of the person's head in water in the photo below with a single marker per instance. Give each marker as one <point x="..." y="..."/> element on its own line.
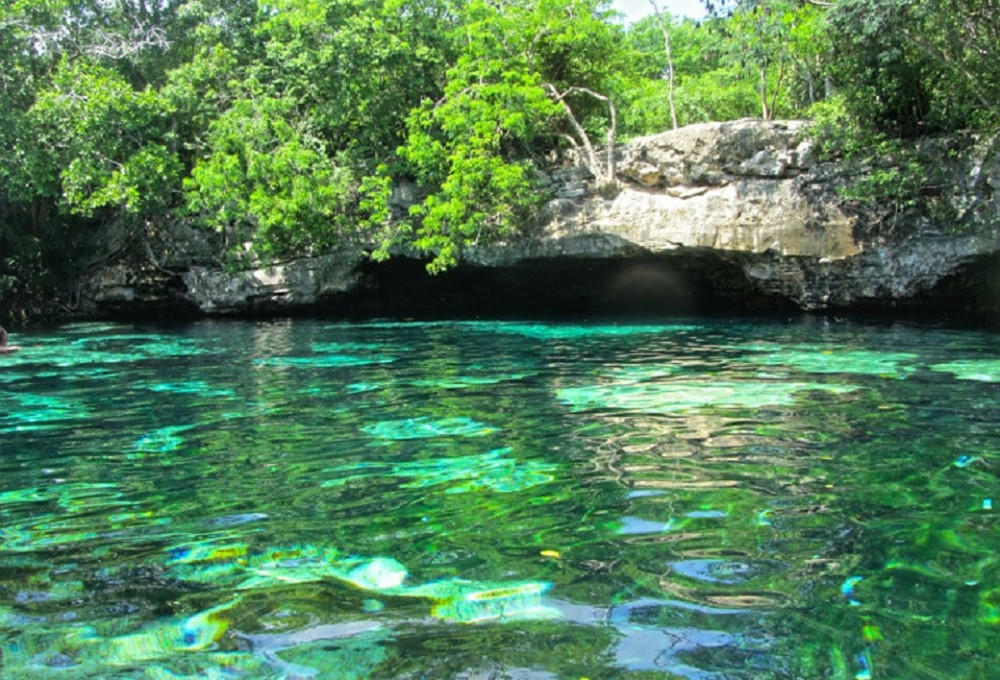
<point x="3" y="336"/>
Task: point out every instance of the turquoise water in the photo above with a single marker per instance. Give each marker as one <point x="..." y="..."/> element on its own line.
<point x="310" y="499"/>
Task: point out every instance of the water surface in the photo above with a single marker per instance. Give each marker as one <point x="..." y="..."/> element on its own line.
<point x="696" y="499"/>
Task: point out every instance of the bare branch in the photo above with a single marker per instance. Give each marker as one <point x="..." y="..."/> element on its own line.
<point x="606" y="176"/>
<point x="670" y="61"/>
<point x="580" y="131"/>
<point x="139" y="39"/>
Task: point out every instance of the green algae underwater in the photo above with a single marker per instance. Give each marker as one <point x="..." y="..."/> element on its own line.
<point x="459" y="499"/>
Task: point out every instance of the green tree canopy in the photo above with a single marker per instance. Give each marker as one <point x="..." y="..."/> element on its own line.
<point x="280" y="127"/>
<point x="477" y="149"/>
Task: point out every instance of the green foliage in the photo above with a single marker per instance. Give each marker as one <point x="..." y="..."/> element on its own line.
<point x="886" y="176"/>
<point x="707" y="86"/>
<point x="375" y="194"/>
<point x="458" y="147"/>
<point x="885" y="73"/>
<point x="722" y="94"/>
<point x="268" y="184"/>
<point x="476" y="148"/>
<point x="761" y="60"/>
<point x="357" y="67"/>
<point x="197" y="91"/>
<point x="289" y="161"/>
<point x="914" y="68"/>
<point x="106" y="142"/>
<point x="283" y="126"/>
<point x="836" y="131"/>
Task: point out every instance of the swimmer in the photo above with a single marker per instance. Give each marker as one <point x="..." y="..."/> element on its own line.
<point x="4" y="347"/>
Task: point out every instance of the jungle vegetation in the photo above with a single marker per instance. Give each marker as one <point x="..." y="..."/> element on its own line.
<point x="280" y="127"/>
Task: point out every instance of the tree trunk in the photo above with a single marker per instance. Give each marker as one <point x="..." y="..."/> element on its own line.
<point x="765" y="114"/>
<point x="670" y="61"/>
<point x="607" y="175"/>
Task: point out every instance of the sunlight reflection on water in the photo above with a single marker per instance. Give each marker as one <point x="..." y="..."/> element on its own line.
<point x="315" y="499"/>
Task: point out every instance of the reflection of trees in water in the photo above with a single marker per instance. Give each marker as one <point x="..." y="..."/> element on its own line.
<point x="752" y="539"/>
<point x="834" y="494"/>
<point x="738" y="507"/>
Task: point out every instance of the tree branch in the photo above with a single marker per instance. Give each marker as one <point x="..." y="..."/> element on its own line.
<point x="606" y="176"/>
<point x="945" y="60"/>
<point x="670" y="62"/>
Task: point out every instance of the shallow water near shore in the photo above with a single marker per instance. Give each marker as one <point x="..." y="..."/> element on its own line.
<point x="489" y="499"/>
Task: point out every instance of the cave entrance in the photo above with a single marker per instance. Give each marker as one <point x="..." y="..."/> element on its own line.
<point x="695" y="284"/>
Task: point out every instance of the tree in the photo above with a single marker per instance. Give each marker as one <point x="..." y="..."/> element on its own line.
<point x="915" y="67"/>
<point x="665" y="30"/>
<point x="759" y="36"/>
<point x="581" y="141"/>
<point x="107" y="143"/>
<point x="292" y="149"/>
<point x="268" y="183"/>
<point x="468" y="150"/>
<point x="781" y="45"/>
<point x="357" y="67"/>
<point x="706" y="86"/>
<point x="477" y="149"/>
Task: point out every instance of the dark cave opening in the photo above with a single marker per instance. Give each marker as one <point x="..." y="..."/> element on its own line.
<point x="697" y="284"/>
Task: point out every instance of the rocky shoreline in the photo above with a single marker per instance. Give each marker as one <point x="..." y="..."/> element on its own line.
<point x="737" y="216"/>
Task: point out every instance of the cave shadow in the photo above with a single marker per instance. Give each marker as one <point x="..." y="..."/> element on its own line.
<point x="695" y="284"/>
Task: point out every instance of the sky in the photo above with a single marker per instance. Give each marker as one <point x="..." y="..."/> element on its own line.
<point x="637" y="9"/>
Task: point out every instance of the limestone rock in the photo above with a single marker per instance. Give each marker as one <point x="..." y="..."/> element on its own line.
<point x="748" y="194"/>
<point x="290" y="287"/>
<point x="753" y="192"/>
<point x="296" y="285"/>
<point x="707" y="152"/>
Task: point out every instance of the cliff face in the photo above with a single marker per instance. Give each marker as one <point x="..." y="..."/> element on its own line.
<point x="740" y="213"/>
